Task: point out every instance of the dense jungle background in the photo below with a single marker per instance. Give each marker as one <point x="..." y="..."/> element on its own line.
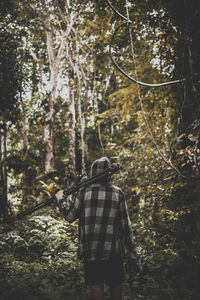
<point x="63" y="104"/>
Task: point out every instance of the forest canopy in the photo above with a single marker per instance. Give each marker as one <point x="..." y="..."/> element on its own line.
<point x="84" y="79"/>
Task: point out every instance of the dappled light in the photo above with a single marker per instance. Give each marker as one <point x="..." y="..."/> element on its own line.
<point x="82" y="80"/>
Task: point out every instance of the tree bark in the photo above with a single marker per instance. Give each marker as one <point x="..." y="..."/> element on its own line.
<point x="86" y="104"/>
<point x="25" y="138"/>
<point x="3" y="172"/>
<point x="82" y="147"/>
<point x="48" y="127"/>
<point x="72" y="122"/>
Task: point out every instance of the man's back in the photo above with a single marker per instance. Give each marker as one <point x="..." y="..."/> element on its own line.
<point x="100" y="221"/>
<point x="104" y="224"/>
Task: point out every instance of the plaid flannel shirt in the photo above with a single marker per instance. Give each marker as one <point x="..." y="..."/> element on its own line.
<point x="104" y="224"/>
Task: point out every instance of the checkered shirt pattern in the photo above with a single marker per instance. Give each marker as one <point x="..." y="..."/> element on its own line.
<point x="104" y="224"/>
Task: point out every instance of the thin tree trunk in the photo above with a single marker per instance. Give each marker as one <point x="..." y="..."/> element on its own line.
<point x="86" y="79"/>
<point x="40" y="88"/>
<point x="86" y="104"/>
<point x="3" y="173"/>
<point x="72" y="117"/>
<point x="25" y="173"/>
<point x="189" y="49"/>
<point x="77" y="69"/>
<point x="48" y="128"/>
<point x="82" y="146"/>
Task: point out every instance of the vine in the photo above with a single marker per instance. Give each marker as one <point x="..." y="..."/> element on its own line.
<point x="127" y="22"/>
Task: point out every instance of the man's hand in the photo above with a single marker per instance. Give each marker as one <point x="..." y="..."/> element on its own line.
<point x="57" y="199"/>
<point x="58" y="196"/>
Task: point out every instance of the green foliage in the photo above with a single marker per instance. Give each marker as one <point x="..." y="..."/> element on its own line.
<point x="39" y="257"/>
<point x="10" y="82"/>
<point x="167" y="230"/>
<point x="39" y="260"/>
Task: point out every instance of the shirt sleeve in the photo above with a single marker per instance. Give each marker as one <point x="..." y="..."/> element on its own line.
<point x="70" y="212"/>
<point x="126" y="229"/>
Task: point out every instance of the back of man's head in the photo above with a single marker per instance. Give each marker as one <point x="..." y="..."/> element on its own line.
<point x="99" y="166"/>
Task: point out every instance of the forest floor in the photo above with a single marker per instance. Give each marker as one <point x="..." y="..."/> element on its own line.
<point x="38" y="260"/>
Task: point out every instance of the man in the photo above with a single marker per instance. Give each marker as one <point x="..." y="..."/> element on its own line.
<point x="104" y="231"/>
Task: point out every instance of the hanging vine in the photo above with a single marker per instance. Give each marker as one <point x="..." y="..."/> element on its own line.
<point x="128" y="22"/>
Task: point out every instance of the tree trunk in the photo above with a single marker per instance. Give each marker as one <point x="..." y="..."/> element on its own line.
<point x="81" y="147"/>
<point x="48" y="128"/>
<point x="72" y="122"/>
<point x="25" y="173"/>
<point x="3" y="173"/>
<point x="86" y="104"/>
<point x="77" y="69"/>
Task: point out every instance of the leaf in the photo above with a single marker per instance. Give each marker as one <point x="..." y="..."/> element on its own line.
<point x="49" y="188"/>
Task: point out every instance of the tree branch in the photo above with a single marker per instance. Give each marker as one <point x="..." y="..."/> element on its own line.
<point x="34" y="55"/>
